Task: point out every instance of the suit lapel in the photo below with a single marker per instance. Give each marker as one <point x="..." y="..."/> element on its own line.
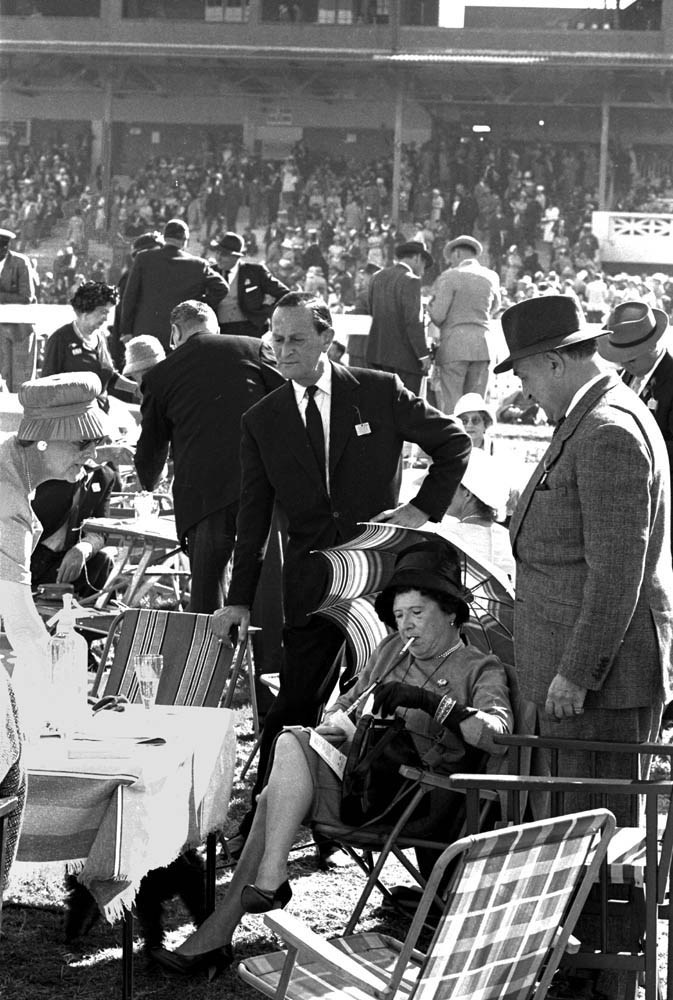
<point x="294" y="435"/>
<point x="343" y="413"/>
<point x="555" y="449"/>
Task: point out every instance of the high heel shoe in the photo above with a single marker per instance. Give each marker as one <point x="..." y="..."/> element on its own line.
<point x="256" y="900"/>
<point x="212" y="962"/>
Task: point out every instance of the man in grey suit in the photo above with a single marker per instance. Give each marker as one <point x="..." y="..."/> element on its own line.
<point x="18" y="343"/>
<point x="593" y="619"/>
<point x="464" y="298"/>
<point x="397" y="335"/>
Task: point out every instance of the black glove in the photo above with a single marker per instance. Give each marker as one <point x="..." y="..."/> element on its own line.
<point x="388" y="697"/>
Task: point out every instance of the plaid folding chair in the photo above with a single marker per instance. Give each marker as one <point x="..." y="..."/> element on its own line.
<point x="514" y="898"/>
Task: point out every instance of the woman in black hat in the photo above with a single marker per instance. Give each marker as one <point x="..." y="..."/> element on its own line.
<point x="453" y="699"/>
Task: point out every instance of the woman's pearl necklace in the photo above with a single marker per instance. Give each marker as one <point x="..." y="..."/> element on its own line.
<point x="447" y="652"/>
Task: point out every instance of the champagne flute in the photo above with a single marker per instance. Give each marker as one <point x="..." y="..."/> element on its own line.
<point x="148" y="667"/>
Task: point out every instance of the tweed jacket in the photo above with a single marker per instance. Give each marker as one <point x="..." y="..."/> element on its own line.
<point x="371" y="416"/>
<point x="157" y="282"/>
<point x="591" y="540"/>
<point x="397" y="334"/>
<point x="193" y="402"/>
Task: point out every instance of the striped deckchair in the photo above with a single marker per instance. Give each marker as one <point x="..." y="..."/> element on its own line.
<point x="515" y="896"/>
<point x="197" y="667"/>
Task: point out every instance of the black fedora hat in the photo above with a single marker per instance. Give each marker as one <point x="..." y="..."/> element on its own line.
<point x="230" y="243"/>
<point x="429" y="565"/>
<point x="546" y="323"/>
<point x="632" y="329"/>
<point x="411" y="248"/>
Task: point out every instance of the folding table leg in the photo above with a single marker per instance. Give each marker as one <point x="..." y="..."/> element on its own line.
<point x="127" y="955"/>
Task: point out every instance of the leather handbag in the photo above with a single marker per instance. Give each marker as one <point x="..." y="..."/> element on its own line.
<point x="372" y="787"/>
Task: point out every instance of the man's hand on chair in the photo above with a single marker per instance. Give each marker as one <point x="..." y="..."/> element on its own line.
<point x="230" y="622"/>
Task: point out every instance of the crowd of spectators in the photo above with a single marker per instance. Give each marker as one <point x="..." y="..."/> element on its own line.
<point x="318" y="220"/>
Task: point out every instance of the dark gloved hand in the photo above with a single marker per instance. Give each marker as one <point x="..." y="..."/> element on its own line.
<point x="388" y="697"/>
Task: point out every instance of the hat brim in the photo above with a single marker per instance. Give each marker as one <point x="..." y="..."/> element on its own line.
<point x="420" y="579"/>
<point x="620" y="355"/>
<point x="87" y="426"/>
<point x="553" y="344"/>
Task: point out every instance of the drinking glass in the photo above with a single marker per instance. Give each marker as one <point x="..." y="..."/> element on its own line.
<point x="148" y="667"/>
<point x="145" y="505"/>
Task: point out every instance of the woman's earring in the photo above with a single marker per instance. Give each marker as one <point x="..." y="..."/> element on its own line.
<point x="41" y="445"/>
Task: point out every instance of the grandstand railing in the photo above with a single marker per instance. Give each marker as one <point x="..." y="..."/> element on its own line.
<point x="634" y="237"/>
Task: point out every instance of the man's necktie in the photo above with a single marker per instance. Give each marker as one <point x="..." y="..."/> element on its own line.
<point x="314" y="429"/>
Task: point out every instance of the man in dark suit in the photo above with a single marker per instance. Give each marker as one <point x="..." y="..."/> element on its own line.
<point x="397" y="336"/>
<point x="253" y="290"/>
<point x="159" y="280"/>
<point x="326" y="448"/>
<point x="635" y="343"/>
<point x="18" y="343"/>
<point x="192" y="403"/>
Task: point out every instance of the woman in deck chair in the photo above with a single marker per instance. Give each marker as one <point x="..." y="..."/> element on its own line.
<point x="453" y="699"/>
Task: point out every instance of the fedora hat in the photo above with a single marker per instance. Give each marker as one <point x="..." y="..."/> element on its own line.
<point x="632" y="329"/>
<point x="230" y="243"/>
<point x="464" y="241"/>
<point x="429" y="565"/>
<point x="546" y="323"/>
<point x="147" y="241"/>
<point x="62" y="408"/>
<point x="6" y="235"/>
<point x="411" y="248"/>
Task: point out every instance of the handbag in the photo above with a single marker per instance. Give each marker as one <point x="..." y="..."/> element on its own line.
<point x="372" y="787"/>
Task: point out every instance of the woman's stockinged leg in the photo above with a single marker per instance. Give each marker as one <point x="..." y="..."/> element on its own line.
<point x="281" y="808"/>
<point x="289" y="794"/>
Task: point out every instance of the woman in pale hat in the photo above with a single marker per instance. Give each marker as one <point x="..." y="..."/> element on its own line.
<point x="81" y="346"/>
<point x="452" y="698"/>
<point x="477" y="417"/>
<point x="142" y="354"/>
<point x="61" y="426"/>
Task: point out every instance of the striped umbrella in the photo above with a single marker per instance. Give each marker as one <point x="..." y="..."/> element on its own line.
<point x="359" y="569"/>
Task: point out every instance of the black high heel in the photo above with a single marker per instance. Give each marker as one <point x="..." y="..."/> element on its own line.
<point x="256" y="900"/>
<point x="213" y="962"/>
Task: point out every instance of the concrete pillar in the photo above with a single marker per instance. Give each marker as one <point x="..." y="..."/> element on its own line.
<point x="667" y="23"/>
<point x="604" y="155"/>
<point x="397" y="147"/>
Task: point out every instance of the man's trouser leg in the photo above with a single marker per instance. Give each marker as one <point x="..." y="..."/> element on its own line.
<point x="452" y="380"/>
<point x="307" y="676"/>
<point x="476" y="378"/>
<point x="18" y="354"/>
<point x="210" y="543"/>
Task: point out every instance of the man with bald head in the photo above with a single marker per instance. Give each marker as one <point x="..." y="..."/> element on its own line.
<point x="193" y="403"/>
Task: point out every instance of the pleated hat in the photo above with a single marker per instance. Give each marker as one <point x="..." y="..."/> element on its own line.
<point x="62" y="408"/>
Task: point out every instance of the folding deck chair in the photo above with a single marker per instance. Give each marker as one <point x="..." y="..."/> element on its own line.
<point x="514" y="898"/>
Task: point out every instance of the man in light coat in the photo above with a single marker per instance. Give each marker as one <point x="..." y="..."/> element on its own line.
<point x="593" y="619"/>
<point x="464" y="298"/>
